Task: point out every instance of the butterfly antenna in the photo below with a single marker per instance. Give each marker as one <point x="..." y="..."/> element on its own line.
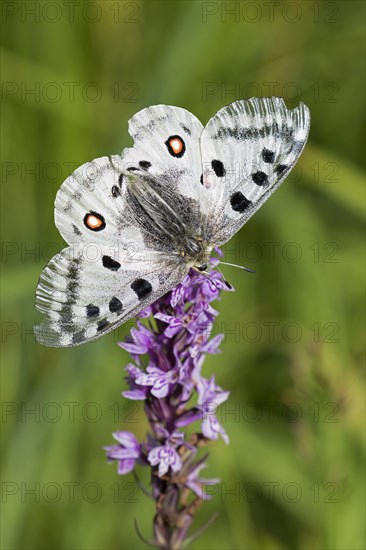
<point x="238" y="266"/>
<point x="223" y="276"/>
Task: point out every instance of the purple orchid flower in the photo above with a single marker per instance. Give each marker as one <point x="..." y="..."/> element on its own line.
<point x="136" y="392"/>
<point x="166" y="374"/>
<point x="127" y="452"/>
<point x="197" y="485"/>
<point x="166" y="455"/>
<point x="158" y="379"/>
<point x="210" y="397"/>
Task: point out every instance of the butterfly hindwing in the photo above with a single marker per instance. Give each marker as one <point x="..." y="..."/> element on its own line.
<point x="83" y="299"/>
<point x="248" y="148"/>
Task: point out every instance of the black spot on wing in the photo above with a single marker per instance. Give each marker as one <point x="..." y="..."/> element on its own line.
<point x="218" y="168"/>
<point x="102" y="325"/>
<point x="144" y="164"/>
<point x="92" y="311"/>
<point x="280" y="169"/>
<point x="111" y="264"/>
<point x="268" y="156"/>
<point x="239" y="202"/>
<point x="201" y="179"/>
<point x="260" y="178"/>
<point x="141" y="287"/>
<point x="115" y="191"/>
<point x="115" y="305"/>
<point x="120" y="180"/>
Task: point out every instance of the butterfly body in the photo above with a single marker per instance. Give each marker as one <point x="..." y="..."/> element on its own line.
<point x="182" y="240"/>
<point x="137" y="222"/>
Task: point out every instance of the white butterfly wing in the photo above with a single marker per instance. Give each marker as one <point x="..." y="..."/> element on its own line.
<point x="84" y="298"/>
<point x="248" y="148"/>
<point x="97" y="188"/>
<point x="166" y="153"/>
<point x="166" y="147"/>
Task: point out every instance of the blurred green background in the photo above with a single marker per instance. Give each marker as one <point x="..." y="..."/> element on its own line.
<point x="292" y="477"/>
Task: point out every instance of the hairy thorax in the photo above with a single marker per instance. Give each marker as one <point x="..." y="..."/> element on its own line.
<point x="186" y="241"/>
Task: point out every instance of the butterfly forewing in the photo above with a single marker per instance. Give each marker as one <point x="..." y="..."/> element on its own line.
<point x="248" y="148"/>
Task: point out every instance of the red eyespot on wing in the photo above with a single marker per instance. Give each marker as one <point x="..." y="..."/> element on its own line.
<point x="94" y="221"/>
<point x="176" y="146"/>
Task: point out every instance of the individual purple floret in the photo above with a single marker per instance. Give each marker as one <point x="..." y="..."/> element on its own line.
<point x="166" y="373"/>
<point x="166" y="456"/>
<point x="127" y="452"/>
